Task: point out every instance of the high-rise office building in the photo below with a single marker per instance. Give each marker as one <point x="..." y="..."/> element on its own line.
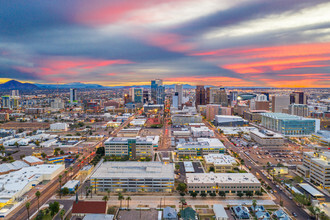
<point x="57" y="104"/>
<point x="218" y="95"/>
<point x="200" y="95"/>
<point x="146" y="96"/>
<point x="136" y="94"/>
<point x="73" y="96"/>
<point x="179" y="90"/>
<point x="280" y="102"/>
<point x="6" y="102"/>
<point x="233" y="96"/>
<point x="175" y="100"/>
<point x="298" y="98"/>
<point x="157" y="91"/>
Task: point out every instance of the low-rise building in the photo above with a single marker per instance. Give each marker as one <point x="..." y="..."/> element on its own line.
<point x="267" y="138"/>
<point x="129" y="132"/>
<point x="32" y="160"/>
<point x="185" y="119"/>
<point x="59" y="127"/>
<point x="134" y="177"/>
<point x="16" y="184"/>
<point x="72" y="185"/>
<point x="220" y="212"/>
<point x="200" y="147"/>
<point x="227" y="182"/>
<point x="83" y="208"/>
<point x="138" y="122"/>
<point x="138" y="147"/>
<point x="202" y="132"/>
<point x="229" y="120"/>
<point x="219" y="162"/>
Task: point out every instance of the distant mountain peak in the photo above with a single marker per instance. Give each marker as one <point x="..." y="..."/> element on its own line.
<point x="14" y="84"/>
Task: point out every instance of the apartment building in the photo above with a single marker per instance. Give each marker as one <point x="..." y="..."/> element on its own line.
<point x="131" y="176"/>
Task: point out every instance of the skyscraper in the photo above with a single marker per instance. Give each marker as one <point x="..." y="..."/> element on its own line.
<point x="175" y="100"/>
<point x="233" y="96"/>
<point x="200" y="95"/>
<point x="157" y="91"/>
<point x="298" y="98"/>
<point x="179" y="90"/>
<point x="280" y="102"/>
<point x="136" y="94"/>
<point x="6" y="102"/>
<point x="218" y="95"/>
<point x="73" y="96"/>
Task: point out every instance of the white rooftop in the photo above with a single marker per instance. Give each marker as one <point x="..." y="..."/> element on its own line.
<point x="32" y="159"/>
<point x="132" y="169"/>
<point x="221" y="178"/>
<point x="311" y="190"/>
<point x="220" y="159"/>
<point x="267" y="134"/>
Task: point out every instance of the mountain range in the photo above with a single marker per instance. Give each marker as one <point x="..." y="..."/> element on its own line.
<point x="13" y="84"/>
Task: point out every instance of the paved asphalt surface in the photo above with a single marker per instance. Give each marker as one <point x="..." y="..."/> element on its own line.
<point x="280" y="195"/>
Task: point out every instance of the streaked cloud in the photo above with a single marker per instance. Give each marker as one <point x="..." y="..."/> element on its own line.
<point x="112" y="42"/>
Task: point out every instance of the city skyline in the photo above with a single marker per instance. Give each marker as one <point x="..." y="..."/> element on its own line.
<point x="115" y="43"/>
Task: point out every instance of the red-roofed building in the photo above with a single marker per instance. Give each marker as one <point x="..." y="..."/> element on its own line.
<point x="81" y="208"/>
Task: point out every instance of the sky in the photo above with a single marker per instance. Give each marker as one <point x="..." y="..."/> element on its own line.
<point x="246" y="43"/>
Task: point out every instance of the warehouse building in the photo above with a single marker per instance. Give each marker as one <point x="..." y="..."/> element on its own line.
<point x="132" y="176"/>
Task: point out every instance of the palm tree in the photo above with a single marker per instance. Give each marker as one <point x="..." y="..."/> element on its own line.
<point x="254" y="204"/>
<point x="62" y="213"/>
<point x="120" y="198"/>
<point x="27" y="206"/>
<point x="86" y="188"/>
<point x="95" y="185"/>
<point x="182" y="201"/>
<point x="105" y="198"/>
<point x="91" y="191"/>
<point x="108" y="192"/>
<point x="60" y="180"/>
<point x="65" y="174"/>
<point x="38" y="194"/>
<point x="128" y="199"/>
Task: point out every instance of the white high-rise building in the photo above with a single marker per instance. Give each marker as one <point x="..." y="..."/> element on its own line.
<point x="179" y="90"/>
<point x="175" y="100"/>
<point x="280" y="102"/>
<point x="57" y="104"/>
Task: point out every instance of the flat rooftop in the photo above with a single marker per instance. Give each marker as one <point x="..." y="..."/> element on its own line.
<point x="220" y="159"/>
<point x="132" y="169"/>
<point x="221" y="178"/>
<point x="267" y="134"/>
<point x="283" y="116"/>
<point x="311" y="190"/>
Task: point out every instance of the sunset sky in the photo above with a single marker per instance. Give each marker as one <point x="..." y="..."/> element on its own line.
<point x="129" y="42"/>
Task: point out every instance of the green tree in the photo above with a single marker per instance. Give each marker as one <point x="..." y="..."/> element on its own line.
<point x="120" y="198"/>
<point x="105" y="198"/>
<point x="254" y="204"/>
<point x="222" y="194"/>
<point x="203" y="194"/>
<point x="213" y="194"/>
<point x="38" y="194"/>
<point x="128" y="199"/>
<point x="65" y="191"/>
<point x="27" y="206"/>
<point x="54" y="208"/>
<point x="240" y="194"/>
<point x="62" y="213"/>
<point x="182" y="201"/>
<point x="249" y="194"/>
<point x="193" y="194"/>
<point x="182" y="187"/>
